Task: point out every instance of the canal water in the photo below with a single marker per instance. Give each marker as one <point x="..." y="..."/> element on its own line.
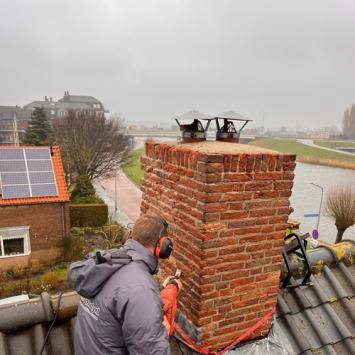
<point x="305" y="197"/>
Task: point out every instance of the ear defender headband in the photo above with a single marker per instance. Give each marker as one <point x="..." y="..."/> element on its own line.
<point x="164" y="245"/>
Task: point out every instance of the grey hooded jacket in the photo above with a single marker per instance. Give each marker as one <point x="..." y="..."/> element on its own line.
<point x="121" y="311"/>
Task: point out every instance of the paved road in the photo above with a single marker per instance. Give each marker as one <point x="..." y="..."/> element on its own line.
<point x="128" y="197"/>
<point x="311" y="144"/>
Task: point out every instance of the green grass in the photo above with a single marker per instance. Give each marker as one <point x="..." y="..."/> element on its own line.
<point x="306" y="153"/>
<point x="132" y="168"/>
<point x="334" y="144"/>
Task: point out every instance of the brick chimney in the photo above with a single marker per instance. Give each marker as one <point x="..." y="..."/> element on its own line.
<point x="227" y="205"/>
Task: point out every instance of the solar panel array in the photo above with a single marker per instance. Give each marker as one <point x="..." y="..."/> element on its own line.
<point x="26" y="172"/>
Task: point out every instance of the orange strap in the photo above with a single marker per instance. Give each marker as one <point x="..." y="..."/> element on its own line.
<point x="204" y="351"/>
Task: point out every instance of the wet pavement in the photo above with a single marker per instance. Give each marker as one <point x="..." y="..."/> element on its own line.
<point x="128" y="197"/>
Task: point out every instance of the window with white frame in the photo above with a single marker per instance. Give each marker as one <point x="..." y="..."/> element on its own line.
<point x="14" y="241"/>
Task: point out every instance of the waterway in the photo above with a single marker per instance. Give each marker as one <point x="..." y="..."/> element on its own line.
<point x="305" y="197"/>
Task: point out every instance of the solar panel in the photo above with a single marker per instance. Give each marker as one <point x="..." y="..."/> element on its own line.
<point x="44" y="190"/>
<point x="37" y="153"/>
<point x="39" y="165"/>
<point x="42" y="178"/>
<point x="16" y="191"/>
<point x="12" y="166"/>
<point x="12" y="154"/>
<point x="14" y="179"/>
<point x="26" y="172"/>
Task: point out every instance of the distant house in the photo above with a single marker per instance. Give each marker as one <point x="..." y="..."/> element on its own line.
<point x="14" y="119"/>
<point x="34" y="210"/>
<point x="68" y="102"/>
<point x="13" y="123"/>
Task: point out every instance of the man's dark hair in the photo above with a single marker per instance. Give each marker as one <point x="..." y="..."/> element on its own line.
<point x="148" y="228"/>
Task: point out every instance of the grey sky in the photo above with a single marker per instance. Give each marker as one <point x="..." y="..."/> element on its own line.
<point x="150" y="60"/>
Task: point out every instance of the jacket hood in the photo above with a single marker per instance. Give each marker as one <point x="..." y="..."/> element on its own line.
<point x="138" y="252"/>
<point x="89" y="276"/>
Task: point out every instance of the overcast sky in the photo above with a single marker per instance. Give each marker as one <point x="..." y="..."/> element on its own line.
<point x="150" y="60"/>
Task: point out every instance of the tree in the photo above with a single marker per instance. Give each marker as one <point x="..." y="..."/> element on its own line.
<point x="90" y="144"/>
<point x="39" y="128"/>
<point x="340" y="205"/>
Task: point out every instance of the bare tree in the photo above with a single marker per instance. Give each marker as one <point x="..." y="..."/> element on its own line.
<point x="90" y="144"/>
<point x="340" y="205"/>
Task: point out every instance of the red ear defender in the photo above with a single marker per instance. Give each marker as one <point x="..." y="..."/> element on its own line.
<point x="163" y="248"/>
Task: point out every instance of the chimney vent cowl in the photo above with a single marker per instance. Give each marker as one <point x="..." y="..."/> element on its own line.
<point x="192" y="132"/>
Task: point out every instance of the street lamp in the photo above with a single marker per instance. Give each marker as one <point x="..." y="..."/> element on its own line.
<point x="116" y="192"/>
<point x="321" y="200"/>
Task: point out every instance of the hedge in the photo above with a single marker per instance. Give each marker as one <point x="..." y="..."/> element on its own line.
<point x="88" y="215"/>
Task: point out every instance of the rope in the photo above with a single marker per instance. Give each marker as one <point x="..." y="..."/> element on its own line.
<point x="205" y="351"/>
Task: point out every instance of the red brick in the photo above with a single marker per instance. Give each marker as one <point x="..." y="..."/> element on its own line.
<point x="258" y="186"/>
<point x="236" y="196"/>
<point x="235" y="177"/>
<point x="283" y="185"/>
<point x="263" y="212"/>
<point x="234" y="215"/>
<point x="209" y="167"/>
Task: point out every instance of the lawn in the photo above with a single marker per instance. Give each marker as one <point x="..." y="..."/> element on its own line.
<point x="132" y="168"/>
<point x="306" y="153"/>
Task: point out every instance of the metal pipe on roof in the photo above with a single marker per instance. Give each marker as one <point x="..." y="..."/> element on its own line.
<point x="318" y="258"/>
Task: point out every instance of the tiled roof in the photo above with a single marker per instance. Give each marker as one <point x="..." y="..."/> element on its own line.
<point x="80" y="98"/>
<point x="23" y="326"/>
<point x="59" y="105"/>
<point x="59" y="177"/>
<point x="320" y="317"/>
<point x="7" y="113"/>
<point x="315" y="319"/>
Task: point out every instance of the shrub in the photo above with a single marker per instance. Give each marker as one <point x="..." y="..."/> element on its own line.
<point x="74" y="248"/>
<point x="50" y="280"/>
<point x="88" y="215"/>
<point x="340" y="205"/>
<point x="82" y="188"/>
<point x="84" y="192"/>
<point x="93" y="199"/>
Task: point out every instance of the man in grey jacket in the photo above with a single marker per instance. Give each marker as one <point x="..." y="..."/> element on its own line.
<point x="121" y="311"/>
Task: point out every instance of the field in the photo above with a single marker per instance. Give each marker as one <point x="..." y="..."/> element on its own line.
<point x="306" y="153"/>
<point x="132" y="168"/>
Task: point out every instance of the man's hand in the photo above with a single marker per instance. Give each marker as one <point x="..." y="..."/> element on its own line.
<point x="172" y="280"/>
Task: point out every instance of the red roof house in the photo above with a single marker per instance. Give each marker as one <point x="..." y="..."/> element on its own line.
<point x="34" y="209"/>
